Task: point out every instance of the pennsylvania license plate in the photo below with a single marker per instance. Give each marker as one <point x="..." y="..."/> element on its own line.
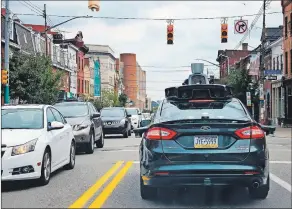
<point x="206" y="142"/>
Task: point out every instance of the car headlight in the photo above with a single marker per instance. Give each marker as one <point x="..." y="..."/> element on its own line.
<point x="80" y="127"/>
<point x="24" y="148"/>
<point x="123" y="121"/>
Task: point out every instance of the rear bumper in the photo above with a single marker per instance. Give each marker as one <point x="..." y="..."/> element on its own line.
<point x="185" y="181"/>
<point x="204" y="175"/>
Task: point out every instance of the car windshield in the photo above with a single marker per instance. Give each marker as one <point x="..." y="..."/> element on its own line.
<point x="132" y="111"/>
<point x="22" y="118"/>
<point x="72" y="110"/>
<point x="112" y="113"/>
<point x="230" y="110"/>
<point x="198" y="79"/>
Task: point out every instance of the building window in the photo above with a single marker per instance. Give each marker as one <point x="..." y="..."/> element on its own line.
<point x="286" y="63"/>
<point x="82" y="86"/>
<point x="281" y="62"/>
<point x="278" y="63"/>
<point x="286" y="26"/>
<point x="78" y="85"/>
<point x="274" y="67"/>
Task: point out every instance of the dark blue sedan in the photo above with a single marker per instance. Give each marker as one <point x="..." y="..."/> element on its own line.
<point x="202" y="136"/>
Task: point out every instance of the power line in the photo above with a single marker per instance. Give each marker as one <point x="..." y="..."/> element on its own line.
<point x="153" y="19"/>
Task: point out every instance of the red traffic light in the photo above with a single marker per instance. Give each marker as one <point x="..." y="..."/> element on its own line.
<point x="224" y="26"/>
<point x="169" y="28"/>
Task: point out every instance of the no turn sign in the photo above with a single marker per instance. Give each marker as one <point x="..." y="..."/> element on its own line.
<point x="240" y="26"/>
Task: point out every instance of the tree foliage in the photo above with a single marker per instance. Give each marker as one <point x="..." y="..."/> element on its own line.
<point x="241" y="81"/>
<point x="32" y="80"/>
<point x="123" y="99"/>
<point x="108" y="99"/>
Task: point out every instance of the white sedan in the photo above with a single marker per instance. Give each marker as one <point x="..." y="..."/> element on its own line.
<point x="36" y="141"/>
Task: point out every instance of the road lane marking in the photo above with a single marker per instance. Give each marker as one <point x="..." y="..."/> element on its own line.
<point x="86" y="196"/>
<point x="99" y="201"/>
<point x="280" y="162"/>
<point x="281" y="182"/>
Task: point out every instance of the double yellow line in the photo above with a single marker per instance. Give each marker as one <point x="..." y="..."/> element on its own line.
<point x="103" y="196"/>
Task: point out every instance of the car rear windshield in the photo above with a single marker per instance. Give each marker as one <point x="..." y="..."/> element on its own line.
<point x="112" y="113"/>
<point x="132" y="111"/>
<point x="231" y="110"/>
<point x="72" y="110"/>
<point x="22" y="118"/>
<point x="198" y="79"/>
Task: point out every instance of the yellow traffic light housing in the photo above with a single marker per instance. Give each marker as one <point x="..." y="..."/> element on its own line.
<point x="224" y="33"/>
<point x="93" y="5"/>
<point x="4" y="77"/>
<point x="169" y="34"/>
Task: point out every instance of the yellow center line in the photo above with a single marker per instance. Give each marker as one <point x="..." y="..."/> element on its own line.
<point x="82" y="200"/>
<point x="99" y="201"/>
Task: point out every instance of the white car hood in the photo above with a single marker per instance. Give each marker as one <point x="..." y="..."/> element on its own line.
<point x="14" y="137"/>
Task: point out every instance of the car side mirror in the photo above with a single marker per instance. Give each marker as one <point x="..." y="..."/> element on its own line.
<point x="268" y="129"/>
<point x="55" y="125"/>
<point x="95" y="115"/>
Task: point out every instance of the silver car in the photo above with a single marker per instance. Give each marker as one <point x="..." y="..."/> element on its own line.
<point x="86" y="124"/>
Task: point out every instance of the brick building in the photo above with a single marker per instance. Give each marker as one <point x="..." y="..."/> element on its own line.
<point x="287" y="48"/>
<point x="234" y="56"/>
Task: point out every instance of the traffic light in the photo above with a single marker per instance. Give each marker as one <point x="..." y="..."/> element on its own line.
<point x="4" y="77"/>
<point x="169" y="34"/>
<point x="93" y="5"/>
<point x="224" y="33"/>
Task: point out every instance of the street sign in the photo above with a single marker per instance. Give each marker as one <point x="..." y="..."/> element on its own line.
<point x="240" y="26"/>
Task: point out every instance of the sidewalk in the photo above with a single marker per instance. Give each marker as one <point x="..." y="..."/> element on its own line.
<point x="283" y="132"/>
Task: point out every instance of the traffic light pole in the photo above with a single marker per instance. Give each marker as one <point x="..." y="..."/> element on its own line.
<point x="6" y="52"/>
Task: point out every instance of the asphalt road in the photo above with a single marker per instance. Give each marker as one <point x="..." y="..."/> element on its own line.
<point x="94" y="183"/>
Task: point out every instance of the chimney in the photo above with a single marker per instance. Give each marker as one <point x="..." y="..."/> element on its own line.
<point x="245" y="46"/>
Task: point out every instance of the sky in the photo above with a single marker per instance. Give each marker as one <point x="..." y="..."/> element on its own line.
<point x="170" y="64"/>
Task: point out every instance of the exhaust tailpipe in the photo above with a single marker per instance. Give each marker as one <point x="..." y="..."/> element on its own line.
<point x="255" y="185"/>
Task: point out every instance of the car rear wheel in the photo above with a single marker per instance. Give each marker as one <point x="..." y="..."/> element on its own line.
<point x="90" y="145"/>
<point x="72" y="156"/>
<point x="146" y="192"/>
<point x="261" y="192"/>
<point x="46" y="169"/>
<point x="100" y="142"/>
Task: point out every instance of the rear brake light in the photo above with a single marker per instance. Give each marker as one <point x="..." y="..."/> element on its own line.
<point x="253" y="132"/>
<point x="160" y="134"/>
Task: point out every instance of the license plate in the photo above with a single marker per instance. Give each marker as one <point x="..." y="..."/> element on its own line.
<point x="206" y="142"/>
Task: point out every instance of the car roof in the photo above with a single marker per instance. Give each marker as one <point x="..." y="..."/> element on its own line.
<point x="75" y="102"/>
<point x="26" y="106"/>
<point x="108" y="108"/>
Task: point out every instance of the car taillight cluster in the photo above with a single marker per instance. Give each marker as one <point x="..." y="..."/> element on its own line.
<point x="252" y="132"/>
<point x="157" y="133"/>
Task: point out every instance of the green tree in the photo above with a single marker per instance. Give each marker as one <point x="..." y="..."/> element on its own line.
<point x="241" y="82"/>
<point x="123" y="99"/>
<point x="32" y="80"/>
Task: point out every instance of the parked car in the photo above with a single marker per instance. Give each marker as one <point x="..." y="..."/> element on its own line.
<point x="86" y="123"/>
<point x="116" y="121"/>
<point x="36" y="141"/>
<point x="136" y="117"/>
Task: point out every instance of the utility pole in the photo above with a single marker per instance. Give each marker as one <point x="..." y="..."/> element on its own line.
<point x="6" y="51"/>
<point x="262" y="63"/>
<point x="46" y="38"/>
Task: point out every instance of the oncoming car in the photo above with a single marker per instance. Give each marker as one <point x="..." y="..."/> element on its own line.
<point x="202" y="136"/>
<point x="36" y="141"/>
